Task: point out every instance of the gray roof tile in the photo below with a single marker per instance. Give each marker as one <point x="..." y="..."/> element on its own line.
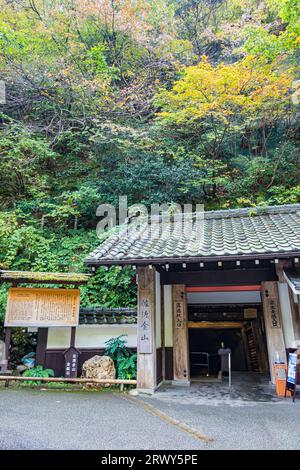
<point x="235" y="232"/>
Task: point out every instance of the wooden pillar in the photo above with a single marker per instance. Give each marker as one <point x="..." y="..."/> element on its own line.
<point x="295" y="312"/>
<point x="42" y="338"/>
<point x="73" y="336"/>
<point x="180" y="335"/>
<point x="162" y="326"/>
<point x="5" y="361"/>
<point x="273" y="323"/>
<point x="146" y="348"/>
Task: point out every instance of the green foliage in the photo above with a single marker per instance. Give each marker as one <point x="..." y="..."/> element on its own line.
<point x="282" y="39"/>
<point x="124" y="359"/>
<point x="127" y="367"/>
<point x="163" y="101"/>
<point x="116" y="348"/>
<point x="37" y="371"/>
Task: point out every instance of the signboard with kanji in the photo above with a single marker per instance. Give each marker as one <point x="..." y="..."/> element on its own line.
<point x="71" y="362"/>
<point x="179" y="314"/>
<point x="145" y="326"/>
<point x="275" y="319"/>
<point x="42" y="307"/>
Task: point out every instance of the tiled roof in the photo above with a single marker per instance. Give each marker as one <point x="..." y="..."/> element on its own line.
<point x="230" y="234"/>
<point x="103" y="315"/>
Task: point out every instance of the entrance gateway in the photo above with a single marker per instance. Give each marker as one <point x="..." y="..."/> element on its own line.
<point x="237" y="284"/>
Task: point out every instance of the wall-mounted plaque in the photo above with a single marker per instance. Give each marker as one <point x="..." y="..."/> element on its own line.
<point x="250" y="313"/>
<point x="42" y="307"/>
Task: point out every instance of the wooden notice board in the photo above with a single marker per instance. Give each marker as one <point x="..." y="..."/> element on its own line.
<point x="42" y="307"/>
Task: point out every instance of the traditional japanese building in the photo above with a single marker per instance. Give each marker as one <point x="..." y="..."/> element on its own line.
<point x="235" y="281"/>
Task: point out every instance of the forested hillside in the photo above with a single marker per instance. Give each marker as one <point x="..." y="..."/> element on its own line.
<point x="188" y="101"/>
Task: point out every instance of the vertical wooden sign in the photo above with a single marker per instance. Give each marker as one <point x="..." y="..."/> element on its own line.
<point x="145" y="324"/>
<point x="71" y="362"/>
<point x="272" y="318"/>
<point x="146" y="350"/>
<point x="180" y="334"/>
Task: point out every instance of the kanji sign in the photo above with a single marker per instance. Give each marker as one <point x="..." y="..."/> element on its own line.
<point x="145" y="326"/>
<point x="275" y="319"/>
<point x="179" y="314"/>
<point x="71" y="362"/>
<point x="42" y="307"/>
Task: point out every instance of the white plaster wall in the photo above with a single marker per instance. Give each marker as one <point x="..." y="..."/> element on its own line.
<point x="168" y="319"/>
<point x="158" y="341"/>
<point x="91" y="336"/>
<point x="59" y="337"/>
<point x="242" y="297"/>
<point x="286" y="315"/>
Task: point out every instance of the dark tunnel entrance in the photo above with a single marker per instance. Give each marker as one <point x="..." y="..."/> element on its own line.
<point x="209" y="341"/>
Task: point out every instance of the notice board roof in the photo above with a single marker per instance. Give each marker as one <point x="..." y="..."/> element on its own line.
<point x="31" y="277"/>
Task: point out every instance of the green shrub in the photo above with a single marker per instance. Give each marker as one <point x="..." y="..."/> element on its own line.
<point x="124" y="359"/>
<point x="37" y="371"/>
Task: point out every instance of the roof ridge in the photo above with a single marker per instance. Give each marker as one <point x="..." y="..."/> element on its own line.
<point x="252" y="211"/>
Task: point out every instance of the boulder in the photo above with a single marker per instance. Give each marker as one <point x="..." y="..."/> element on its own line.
<point x="99" y="367"/>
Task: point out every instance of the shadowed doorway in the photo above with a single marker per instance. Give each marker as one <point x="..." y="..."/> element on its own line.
<point x="209" y="341"/>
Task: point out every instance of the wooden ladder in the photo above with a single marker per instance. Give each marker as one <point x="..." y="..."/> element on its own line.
<point x="252" y="348"/>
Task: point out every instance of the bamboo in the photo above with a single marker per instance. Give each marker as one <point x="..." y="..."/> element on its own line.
<point x="74" y="380"/>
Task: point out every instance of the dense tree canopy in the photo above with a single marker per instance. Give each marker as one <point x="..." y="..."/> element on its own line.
<point x="165" y="101"/>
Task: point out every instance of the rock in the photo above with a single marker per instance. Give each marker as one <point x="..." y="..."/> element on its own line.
<point x="99" y="367"/>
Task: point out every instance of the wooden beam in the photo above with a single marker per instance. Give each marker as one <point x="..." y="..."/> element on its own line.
<point x="66" y="380"/>
<point x="73" y="336"/>
<point x="146" y="348"/>
<point x="223" y="277"/>
<point x="215" y="324"/>
<point x="273" y="324"/>
<point x="180" y="335"/>
<point x="295" y="311"/>
<point x="42" y="338"/>
<point x="280" y="266"/>
<point x="5" y="361"/>
<point x="246" y="348"/>
<point x="256" y="288"/>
